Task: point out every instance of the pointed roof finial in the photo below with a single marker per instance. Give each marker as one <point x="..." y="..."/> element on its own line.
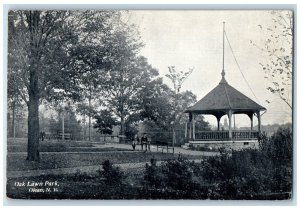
<point x="223" y="71"/>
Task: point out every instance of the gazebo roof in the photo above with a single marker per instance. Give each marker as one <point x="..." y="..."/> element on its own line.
<point x="222" y="98"/>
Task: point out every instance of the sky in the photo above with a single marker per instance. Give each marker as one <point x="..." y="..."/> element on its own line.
<point x="194" y="39"/>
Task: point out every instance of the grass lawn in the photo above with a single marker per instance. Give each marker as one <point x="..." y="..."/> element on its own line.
<point x="72" y="186"/>
<point x="62" y="148"/>
<point x="17" y="162"/>
<point x="20" y="145"/>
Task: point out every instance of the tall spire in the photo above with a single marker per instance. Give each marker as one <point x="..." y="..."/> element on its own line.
<point x="223" y="80"/>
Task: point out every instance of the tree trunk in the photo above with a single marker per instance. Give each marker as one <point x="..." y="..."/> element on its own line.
<point x="173" y="137"/>
<point x="33" y="118"/>
<point x="122" y="129"/>
<point x="84" y="128"/>
<point x="33" y="103"/>
<point x="14" y="120"/>
<point x="63" y="123"/>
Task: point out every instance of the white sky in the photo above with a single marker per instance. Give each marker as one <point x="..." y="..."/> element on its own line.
<point x="193" y="39"/>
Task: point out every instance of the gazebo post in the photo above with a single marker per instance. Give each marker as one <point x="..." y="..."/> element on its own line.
<point x="259" y="122"/>
<point x="193" y="121"/>
<point x="218" y="121"/>
<point x="190" y="125"/>
<point x="229" y="117"/>
<point x="251" y="118"/>
<point x="250" y="115"/>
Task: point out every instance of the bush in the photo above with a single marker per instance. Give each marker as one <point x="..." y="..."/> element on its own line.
<point x="154" y="177"/>
<point x="112" y="175"/>
<point x="174" y="179"/>
<point x="252" y="173"/>
<point x="80" y="176"/>
<point x="279" y="147"/>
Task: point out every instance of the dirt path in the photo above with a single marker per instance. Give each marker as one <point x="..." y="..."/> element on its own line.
<point x="178" y="150"/>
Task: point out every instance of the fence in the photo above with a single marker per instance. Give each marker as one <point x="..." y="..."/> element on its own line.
<point x="167" y="136"/>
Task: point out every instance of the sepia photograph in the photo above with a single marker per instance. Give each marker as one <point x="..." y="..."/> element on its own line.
<point x="150" y="104"/>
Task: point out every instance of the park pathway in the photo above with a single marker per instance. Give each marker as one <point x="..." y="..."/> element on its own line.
<point x="178" y="150"/>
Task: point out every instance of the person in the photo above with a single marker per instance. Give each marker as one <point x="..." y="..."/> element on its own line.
<point x="135" y="141"/>
<point x="148" y="143"/>
<point x="42" y="135"/>
<point x="144" y="140"/>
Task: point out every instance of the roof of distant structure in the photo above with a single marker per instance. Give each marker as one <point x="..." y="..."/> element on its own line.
<point x="225" y="97"/>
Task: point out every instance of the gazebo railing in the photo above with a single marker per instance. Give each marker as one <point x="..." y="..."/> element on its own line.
<point x="224" y="135"/>
<point x="244" y="134"/>
<point x="209" y="135"/>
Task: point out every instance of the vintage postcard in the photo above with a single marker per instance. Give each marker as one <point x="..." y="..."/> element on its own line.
<point x="150" y="104"/>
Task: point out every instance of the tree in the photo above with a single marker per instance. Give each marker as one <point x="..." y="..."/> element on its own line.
<point x="127" y="74"/>
<point x="278" y="48"/>
<point x="157" y="110"/>
<point x="156" y="103"/>
<point x="71" y="124"/>
<point x="200" y="124"/>
<point x="84" y="110"/>
<point x="177" y="79"/>
<point x="43" y="47"/>
<point x="105" y="122"/>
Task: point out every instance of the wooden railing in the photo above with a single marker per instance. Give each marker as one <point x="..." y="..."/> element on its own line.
<point x="224" y="135"/>
<point x="209" y="135"/>
<point x="244" y="134"/>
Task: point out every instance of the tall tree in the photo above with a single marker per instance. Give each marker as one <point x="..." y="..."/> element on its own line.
<point x="177" y="79"/>
<point x="85" y="110"/>
<point x="156" y="103"/>
<point x="105" y="122"/>
<point x="157" y="108"/>
<point x="43" y="50"/>
<point x="278" y="48"/>
<point x="14" y="102"/>
<point x="127" y="75"/>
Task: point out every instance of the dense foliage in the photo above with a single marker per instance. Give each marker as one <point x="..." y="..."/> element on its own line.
<point x="247" y="174"/>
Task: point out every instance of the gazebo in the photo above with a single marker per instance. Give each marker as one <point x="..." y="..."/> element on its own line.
<point x="224" y="100"/>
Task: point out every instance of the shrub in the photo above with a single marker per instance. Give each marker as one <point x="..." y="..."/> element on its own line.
<point x="252" y="173"/>
<point x="80" y="176"/>
<point x="173" y="179"/>
<point x="279" y="147"/>
<point x="112" y="175"/>
<point x="180" y="174"/>
<point x="153" y="176"/>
